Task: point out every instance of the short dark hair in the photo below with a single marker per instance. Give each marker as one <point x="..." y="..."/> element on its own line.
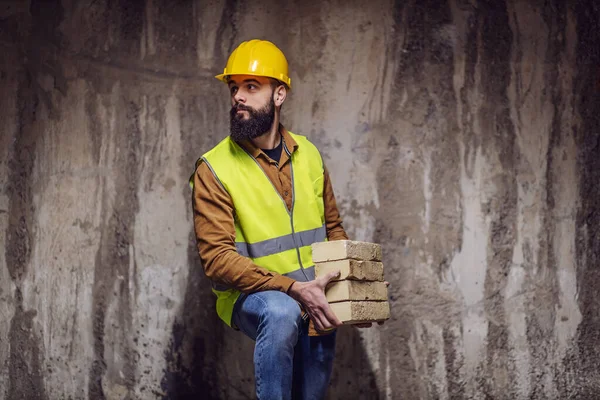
<point x="275" y="83"/>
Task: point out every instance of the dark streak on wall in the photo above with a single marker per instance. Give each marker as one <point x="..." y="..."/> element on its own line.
<point x="113" y="256"/>
<point x="26" y="360"/>
<point x="587" y="95"/>
<point x="494" y="116"/>
<point x="193" y="339"/>
<point x="539" y="336"/>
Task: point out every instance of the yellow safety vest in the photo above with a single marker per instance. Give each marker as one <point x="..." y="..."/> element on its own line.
<point x="265" y="230"/>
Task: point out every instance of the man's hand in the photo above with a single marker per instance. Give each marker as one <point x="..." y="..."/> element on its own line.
<point x="369" y="324"/>
<point x="312" y="296"/>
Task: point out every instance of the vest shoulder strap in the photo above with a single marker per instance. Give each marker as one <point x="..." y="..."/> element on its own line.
<point x="308" y="148"/>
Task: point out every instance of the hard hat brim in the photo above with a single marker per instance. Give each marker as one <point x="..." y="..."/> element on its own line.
<point x="221" y="77"/>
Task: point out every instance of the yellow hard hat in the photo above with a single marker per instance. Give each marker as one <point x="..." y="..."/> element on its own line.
<point x="259" y="58"/>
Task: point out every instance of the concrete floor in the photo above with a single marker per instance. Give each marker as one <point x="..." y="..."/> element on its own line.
<point x="464" y="136"/>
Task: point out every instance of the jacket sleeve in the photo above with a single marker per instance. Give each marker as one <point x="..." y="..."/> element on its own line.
<point x="333" y="220"/>
<point x="215" y="237"/>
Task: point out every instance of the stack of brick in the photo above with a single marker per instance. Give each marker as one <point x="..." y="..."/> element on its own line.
<point x="359" y="294"/>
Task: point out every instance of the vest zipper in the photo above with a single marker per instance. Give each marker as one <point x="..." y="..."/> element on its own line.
<point x="290" y="213"/>
<point x="292" y="220"/>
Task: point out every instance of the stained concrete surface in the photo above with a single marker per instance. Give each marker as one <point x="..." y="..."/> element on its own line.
<point x="461" y="135"/>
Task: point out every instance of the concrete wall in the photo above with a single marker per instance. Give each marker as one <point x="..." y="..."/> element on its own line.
<point x="462" y="135"/>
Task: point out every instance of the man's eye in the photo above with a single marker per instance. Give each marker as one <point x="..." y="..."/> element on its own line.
<point x="233" y="89"/>
<point x="251" y="87"/>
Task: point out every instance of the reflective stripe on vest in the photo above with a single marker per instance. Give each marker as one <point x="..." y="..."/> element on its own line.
<point x="272" y="236"/>
<point x="282" y="243"/>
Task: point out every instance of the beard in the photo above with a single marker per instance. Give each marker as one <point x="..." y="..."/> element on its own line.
<point x="258" y="122"/>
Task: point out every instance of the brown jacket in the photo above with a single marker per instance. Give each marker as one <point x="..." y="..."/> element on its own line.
<point x="215" y="231"/>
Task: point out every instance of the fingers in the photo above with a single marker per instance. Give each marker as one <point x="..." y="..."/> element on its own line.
<point x="324" y="319"/>
<point x="387" y="283"/>
<point x="330" y="316"/>
<point x="317" y="305"/>
<point x="319" y="325"/>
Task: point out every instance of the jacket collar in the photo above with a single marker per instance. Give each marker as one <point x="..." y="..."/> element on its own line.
<point x="289" y="144"/>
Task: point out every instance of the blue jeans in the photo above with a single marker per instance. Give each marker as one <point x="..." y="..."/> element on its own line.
<point x="288" y="364"/>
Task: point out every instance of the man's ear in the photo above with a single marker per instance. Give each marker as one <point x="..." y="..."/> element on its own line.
<point x="279" y="95"/>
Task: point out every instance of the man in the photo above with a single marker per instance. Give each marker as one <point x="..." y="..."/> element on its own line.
<point x="262" y="196"/>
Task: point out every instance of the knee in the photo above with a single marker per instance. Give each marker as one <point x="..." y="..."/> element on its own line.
<point x="282" y="313"/>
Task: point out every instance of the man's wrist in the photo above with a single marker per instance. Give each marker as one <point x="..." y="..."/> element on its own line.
<point x="294" y="290"/>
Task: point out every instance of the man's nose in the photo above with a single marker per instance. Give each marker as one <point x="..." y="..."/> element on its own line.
<point x="239" y="97"/>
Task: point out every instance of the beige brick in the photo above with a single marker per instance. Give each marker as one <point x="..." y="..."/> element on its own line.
<point x="356" y="290"/>
<point x="354" y="312"/>
<point x="342" y="249"/>
<point x="352" y="269"/>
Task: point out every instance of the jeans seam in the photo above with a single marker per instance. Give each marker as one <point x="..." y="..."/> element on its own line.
<point x="260" y="349"/>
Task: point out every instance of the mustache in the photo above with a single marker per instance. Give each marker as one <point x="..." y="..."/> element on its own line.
<point x="240" y="106"/>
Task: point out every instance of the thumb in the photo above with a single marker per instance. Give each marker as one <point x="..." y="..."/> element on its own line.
<point x="329" y="277"/>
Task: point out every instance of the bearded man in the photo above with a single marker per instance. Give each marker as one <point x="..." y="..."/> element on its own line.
<point x="262" y="196"/>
